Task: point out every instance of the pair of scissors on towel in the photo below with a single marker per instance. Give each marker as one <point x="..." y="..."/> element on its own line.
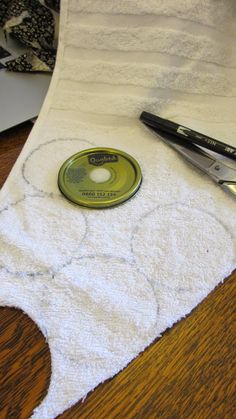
<point x="177" y="137"/>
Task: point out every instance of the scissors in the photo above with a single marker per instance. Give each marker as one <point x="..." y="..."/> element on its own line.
<point x="219" y="172"/>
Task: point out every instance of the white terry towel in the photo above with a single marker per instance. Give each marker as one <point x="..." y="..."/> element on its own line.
<point x="103" y="284"/>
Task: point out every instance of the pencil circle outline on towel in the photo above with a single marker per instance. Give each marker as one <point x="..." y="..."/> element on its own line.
<point x="60" y="250"/>
<point x="178" y="206"/>
<point x="77" y="292"/>
<point x="127" y="261"/>
<point x="34" y="152"/>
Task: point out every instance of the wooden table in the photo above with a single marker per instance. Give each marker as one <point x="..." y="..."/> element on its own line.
<point x="189" y="373"/>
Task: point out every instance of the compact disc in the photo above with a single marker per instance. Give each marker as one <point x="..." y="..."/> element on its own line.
<point x="99" y="177"/>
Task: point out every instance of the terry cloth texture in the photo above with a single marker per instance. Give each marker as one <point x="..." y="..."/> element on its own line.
<point x="103" y="284"/>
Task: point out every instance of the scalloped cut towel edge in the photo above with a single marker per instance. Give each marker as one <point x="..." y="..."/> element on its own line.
<point x="103" y="284"/>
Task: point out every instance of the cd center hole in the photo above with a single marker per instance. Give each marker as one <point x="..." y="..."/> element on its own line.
<point x="100" y="175"/>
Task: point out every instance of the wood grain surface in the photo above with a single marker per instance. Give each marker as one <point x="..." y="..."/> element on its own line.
<point x="188" y="373"/>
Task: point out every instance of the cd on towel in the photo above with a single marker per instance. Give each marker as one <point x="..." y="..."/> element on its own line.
<point x="99" y="177"/>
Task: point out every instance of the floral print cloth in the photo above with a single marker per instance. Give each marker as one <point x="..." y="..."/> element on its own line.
<point x="34" y="24"/>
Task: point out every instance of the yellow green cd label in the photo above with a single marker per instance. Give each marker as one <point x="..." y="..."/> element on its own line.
<point x="99" y="177"/>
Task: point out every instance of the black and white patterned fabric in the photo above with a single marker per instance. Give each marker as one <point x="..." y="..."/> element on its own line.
<point x="33" y="23"/>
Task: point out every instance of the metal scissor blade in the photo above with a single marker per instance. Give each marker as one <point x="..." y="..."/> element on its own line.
<point x="191" y="152"/>
<point x="217" y="170"/>
<point x="229" y="187"/>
